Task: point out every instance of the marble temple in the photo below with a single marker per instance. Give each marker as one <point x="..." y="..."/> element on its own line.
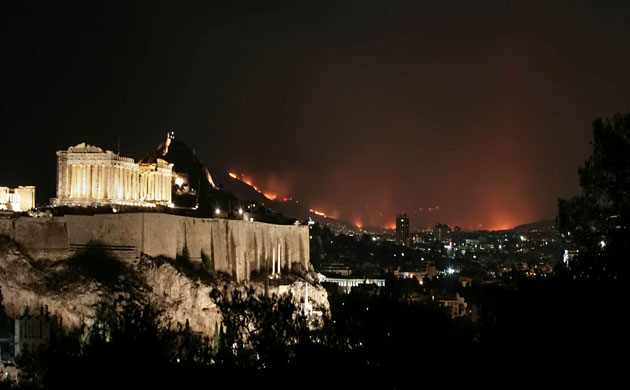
<point x="89" y="176"/>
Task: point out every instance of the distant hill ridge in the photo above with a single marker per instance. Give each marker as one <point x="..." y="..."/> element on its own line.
<point x="212" y="185"/>
<point x="547" y="224"/>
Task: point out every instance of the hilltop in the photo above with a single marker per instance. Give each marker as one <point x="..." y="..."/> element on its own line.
<point x="547" y="224"/>
<point x="195" y="184"/>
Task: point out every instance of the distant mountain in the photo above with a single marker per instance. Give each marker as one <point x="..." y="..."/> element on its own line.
<point x="548" y="224"/>
<point x="197" y="184"/>
<point x="289" y="207"/>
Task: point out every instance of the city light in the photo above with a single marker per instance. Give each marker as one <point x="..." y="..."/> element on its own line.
<point x="450" y="271"/>
<point x="240" y="211"/>
<point x="217" y="211"/>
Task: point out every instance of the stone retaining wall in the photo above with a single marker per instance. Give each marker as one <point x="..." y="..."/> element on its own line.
<point x="236" y="247"/>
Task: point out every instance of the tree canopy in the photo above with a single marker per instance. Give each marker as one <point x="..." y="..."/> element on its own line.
<point x="596" y="221"/>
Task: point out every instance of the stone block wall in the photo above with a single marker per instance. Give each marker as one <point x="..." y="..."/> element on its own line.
<point x="236" y="247"/>
<point x="41" y="237"/>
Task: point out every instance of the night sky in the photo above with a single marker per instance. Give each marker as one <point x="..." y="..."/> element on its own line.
<point x="360" y="109"/>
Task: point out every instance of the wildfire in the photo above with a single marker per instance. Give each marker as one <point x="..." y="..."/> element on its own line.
<point x="321" y="214"/>
<point x="267" y="194"/>
<point x="434" y="208"/>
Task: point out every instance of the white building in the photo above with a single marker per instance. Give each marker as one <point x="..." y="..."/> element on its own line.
<point x="17" y="199"/>
<point x="31" y="333"/>
<point x="456" y="307"/>
<point x="89" y="176"/>
<point x="346" y="284"/>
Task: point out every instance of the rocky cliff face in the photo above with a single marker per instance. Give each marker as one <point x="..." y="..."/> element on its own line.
<point x="74" y="289"/>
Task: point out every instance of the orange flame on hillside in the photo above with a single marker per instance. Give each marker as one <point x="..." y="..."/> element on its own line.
<point x="267" y="194"/>
<point x="321" y="214"/>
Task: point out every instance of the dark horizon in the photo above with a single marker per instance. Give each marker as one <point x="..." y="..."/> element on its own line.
<point x="360" y="110"/>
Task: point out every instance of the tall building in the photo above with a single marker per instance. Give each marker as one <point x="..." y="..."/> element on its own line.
<point x="402" y="229"/>
<point x="18" y="199"/>
<point x="89" y="176"/>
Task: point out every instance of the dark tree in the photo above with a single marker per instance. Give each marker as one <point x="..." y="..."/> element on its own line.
<point x="596" y="221"/>
<point x="260" y="331"/>
<point x="4" y="318"/>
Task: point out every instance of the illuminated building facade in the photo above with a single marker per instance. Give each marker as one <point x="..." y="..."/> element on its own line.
<point x="17" y="199"/>
<point x="457" y="306"/>
<point x="31" y="333"/>
<point x="402" y="229"/>
<point x="345" y="285"/>
<point x="89" y="176"/>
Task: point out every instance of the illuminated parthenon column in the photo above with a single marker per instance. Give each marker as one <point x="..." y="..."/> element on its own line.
<point x="156" y="182"/>
<point x="101" y="181"/>
<point x="87" y="175"/>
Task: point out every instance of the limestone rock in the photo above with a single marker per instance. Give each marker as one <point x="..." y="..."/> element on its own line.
<point x="179" y="295"/>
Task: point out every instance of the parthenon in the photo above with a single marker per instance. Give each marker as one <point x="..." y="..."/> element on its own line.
<point x="89" y="176"/>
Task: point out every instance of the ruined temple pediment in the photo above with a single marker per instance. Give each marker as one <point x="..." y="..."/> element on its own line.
<point x="85" y="148"/>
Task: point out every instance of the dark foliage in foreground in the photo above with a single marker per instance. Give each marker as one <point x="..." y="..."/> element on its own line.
<point x="559" y="327"/>
<point x="5" y="320"/>
<point x="260" y="331"/>
<point x="598" y="220"/>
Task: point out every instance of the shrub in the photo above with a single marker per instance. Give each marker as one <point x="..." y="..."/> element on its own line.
<point x="185" y="254"/>
<point x="207" y="262"/>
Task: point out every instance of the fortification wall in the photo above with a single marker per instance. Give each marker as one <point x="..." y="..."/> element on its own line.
<point x="235" y="247"/>
<point x="41" y="237"/>
<point x="120" y="234"/>
<point x="6" y="226"/>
